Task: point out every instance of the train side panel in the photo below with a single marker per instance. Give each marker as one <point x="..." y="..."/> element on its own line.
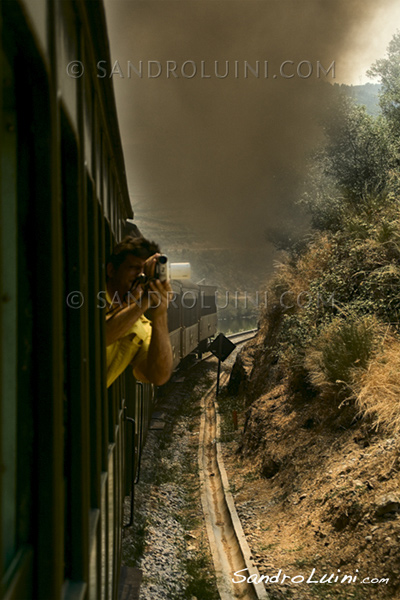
<point x="175" y="323"/>
<point x="63" y="201"/>
<point x="208" y="322"/>
<point x="190" y="306"/>
<point x="192" y="318"/>
<point x="71" y="448"/>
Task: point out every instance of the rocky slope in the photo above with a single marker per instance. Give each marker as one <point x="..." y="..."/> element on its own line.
<point x="316" y="487"/>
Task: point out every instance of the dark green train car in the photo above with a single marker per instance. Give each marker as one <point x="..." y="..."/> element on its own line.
<point x="63" y="202"/>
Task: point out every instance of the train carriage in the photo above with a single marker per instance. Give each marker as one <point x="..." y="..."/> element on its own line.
<point x="64" y="201"/>
<point x="70" y="449"/>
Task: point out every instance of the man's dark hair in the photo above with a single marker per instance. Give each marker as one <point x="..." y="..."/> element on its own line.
<point x="139" y="246"/>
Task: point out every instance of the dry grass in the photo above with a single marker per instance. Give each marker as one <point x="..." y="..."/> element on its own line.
<point x="297" y="277"/>
<point x="377" y="389"/>
<point x="345" y="346"/>
<point x="360" y="360"/>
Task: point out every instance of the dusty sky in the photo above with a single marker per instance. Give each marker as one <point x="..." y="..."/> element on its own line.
<point x="224" y="156"/>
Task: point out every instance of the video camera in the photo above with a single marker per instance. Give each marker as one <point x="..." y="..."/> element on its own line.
<point x="164" y="270"/>
<point x="161" y="268"/>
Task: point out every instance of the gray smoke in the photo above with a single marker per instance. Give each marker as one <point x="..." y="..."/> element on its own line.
<point x="224" y="158"/>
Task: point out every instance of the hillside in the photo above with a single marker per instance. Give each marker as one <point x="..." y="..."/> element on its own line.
<point x="315" y="466"/>
<point x="316" y="487"/>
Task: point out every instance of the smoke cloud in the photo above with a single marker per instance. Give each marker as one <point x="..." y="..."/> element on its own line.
<point x="222" y="158"/>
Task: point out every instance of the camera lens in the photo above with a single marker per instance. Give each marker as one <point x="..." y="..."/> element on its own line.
<point x="162" y="259"/>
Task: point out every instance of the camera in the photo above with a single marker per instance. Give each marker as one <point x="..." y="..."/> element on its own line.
<point x="161" y="268"/>
<point x="165" y="270"/>
<point x="160" y="272"/>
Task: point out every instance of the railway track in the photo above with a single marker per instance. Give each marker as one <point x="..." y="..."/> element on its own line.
<point x="228" y="543"/>
<point x="237" y="338"/>
<point x="242" y="336"/>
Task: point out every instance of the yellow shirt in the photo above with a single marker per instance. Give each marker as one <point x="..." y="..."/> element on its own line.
<point x="131" y="349"/>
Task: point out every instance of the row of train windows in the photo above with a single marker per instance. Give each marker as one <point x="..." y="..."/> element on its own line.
<point x="28" y="225"/>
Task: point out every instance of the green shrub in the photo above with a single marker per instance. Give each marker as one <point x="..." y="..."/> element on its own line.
<point x="344" y="345"/>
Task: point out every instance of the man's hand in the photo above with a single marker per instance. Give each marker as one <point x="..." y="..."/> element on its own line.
<point x="158" y="366"/>
<point x="158" y="298"/>
<point x="150" y="265"/>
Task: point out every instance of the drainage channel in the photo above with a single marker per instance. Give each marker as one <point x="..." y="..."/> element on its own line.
<point x="228" y="544"/>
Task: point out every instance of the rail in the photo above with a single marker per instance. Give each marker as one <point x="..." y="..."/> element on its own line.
<point x="247" y="335"/>
<point x="228" y="543"/>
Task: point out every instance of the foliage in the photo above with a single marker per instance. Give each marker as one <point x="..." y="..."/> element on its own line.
<point x="332" y="300"/>
<point x="359" y="151"/>
<point x="346" y="342"/>
<point x="366" y="94"/>
<point x="354" y="271"/>
<point x="388" y="71"/>
<point x="356" y="163"/>
<point x="377" y="388"/>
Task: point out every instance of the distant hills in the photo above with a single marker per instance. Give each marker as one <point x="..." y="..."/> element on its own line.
<point x="225" y="266"/>
<point x="367" y="94"/>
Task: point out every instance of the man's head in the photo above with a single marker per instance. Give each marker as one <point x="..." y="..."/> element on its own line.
<point x="127" y="261"/>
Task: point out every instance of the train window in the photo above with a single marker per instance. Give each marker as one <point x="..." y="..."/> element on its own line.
<point x="208" y="304"/>
<point x="9" y="316"/>
<point x="105" y="174"/>
<point x="88" y="121"/>
<point x="103" y="252"/>
<point x="111" y="517"/>
<point x="190" y="306"/>
<point x="174" y="308"/>
<point x="77" y="402"/>
<point x="67" y="50"/>
<point x="113" y="202"/>
<point x="97" y="154"/>
<point x="95" y="355"/>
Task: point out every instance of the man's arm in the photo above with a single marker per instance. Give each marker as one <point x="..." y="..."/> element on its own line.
<point x="157" y="367"/>
<point x="119" y="323"/>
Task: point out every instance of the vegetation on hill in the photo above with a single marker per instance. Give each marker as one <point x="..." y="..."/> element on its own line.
<point x="332" y="321"/>
<point x="366" y="94"/>
<point x="315" y="471"/>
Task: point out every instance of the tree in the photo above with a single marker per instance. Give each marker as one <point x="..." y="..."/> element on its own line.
<point x="387" y="70"/>
<point x="356" y="163"/>
<point x="359" y="150"/>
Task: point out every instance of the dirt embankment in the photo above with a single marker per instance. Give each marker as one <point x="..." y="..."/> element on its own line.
<point x="315" y="486"/>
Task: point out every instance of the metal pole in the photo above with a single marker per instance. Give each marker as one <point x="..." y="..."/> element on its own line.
<point x="218" y="374"/>
<point x="219" y="361"/>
